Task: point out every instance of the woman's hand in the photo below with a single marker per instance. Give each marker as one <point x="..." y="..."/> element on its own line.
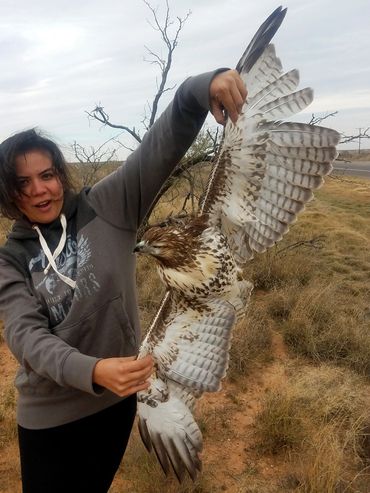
<point x="227" y="94"/>
<point x="123" y="376"/>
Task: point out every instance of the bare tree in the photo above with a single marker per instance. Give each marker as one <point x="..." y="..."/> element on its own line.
<point x="164" y="64"/>
<point x="203" y="149"/>
<point x="91" y="160"/>
<point x="169" y="30"/>
<point x="183" y="190"/>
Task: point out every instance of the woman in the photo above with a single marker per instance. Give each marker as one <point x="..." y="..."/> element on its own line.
<point x="68" y="296"/>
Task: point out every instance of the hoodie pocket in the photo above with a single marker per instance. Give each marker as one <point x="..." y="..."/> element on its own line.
<point x="104" y="333"/>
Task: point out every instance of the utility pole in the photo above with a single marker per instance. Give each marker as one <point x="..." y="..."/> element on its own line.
<point x="359" y="140"/>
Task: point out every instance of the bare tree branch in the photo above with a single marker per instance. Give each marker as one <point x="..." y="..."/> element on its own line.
<point x="91" y="155"/>
<point x="170" y="42"/>
<point x="316" y="120"/>
<point x="214" y="138"/>
<point x="361" y="135"/>
<point x="316" y="242"/>
<point x="121" y="144"/>
<point x="101" y="116"/>
<point x="203" y="150"/>
<point x="170" y="39"/>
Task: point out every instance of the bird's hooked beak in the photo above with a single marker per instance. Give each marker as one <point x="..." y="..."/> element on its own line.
<point x="144" y="247"/>
<point x="139" y="247"/>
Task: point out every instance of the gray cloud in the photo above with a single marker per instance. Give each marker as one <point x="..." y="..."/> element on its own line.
<point x="59" y="60"/>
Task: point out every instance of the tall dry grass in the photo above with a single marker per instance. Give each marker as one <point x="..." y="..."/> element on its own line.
<point x="251" y="342"/>
<point x="320" y="416"/>
<point x="8" y="427"/>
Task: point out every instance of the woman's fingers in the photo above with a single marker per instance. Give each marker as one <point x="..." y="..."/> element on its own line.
<point x="134" y="376"/>
<point x="227" y="94"/>
<point x="138" y="364"/>
<point x="123" y="375"/>
<point x="133" y="389"/>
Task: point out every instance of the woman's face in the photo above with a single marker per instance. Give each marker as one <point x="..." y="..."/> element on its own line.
<point x="41" y="197"/>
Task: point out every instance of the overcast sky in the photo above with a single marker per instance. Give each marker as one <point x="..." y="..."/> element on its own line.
<point x="59" y="59"/>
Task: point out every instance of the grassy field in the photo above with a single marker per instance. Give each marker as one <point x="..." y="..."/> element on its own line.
<point x="293" y="414"/>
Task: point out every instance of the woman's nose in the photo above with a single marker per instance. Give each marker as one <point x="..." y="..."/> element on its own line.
<point x="37" y="187"/>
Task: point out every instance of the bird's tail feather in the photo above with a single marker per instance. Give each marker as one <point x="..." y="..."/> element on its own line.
<point x="168" y="427"/>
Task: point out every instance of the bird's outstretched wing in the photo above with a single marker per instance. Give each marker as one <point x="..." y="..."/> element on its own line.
<point x="190" y="344"/>
<point x="266" y="168"/>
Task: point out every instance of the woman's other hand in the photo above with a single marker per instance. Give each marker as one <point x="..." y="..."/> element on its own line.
<point x="123" y="376"/>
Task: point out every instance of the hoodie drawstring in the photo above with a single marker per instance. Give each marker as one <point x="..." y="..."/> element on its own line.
<point x="51" y="257"/>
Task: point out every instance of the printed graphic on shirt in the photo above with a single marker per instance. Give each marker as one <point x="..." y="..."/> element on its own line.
<point x="57" y="294"/>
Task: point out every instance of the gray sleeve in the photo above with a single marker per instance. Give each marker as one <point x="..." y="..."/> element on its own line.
<point x="29" y="339"/>
<point x="124" y="197"/>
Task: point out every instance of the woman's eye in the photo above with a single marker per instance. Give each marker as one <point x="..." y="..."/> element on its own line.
<point x="48" y="176"/>
<point x="22" y="183"/>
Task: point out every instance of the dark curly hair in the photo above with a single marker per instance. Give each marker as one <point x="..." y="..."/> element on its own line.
<point x="10" y="149"/>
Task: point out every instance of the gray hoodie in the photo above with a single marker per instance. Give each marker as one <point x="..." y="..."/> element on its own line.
<point x="57" y="332"/>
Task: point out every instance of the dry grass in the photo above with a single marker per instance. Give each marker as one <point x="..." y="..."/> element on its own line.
<point x="354" y="155"/>
<point x="272" y="270"/>
<point x="326" y="322"/>
<point x="251" y="342"/>
<point x="5" y="226"/>
<point x="8" y="427"/>
<point x="319" y="327"/>
<point x="319" y="416"/>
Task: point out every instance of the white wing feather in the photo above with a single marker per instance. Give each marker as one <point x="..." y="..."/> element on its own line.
<point x="267" y="169"/>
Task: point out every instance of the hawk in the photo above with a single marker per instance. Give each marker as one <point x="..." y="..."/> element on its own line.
<point x="264" y="174"/>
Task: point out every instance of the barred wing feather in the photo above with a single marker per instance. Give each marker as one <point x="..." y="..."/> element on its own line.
<point x="267" y="169"/>
<point x="191" y="348"/>
<point x="192" y="344"/>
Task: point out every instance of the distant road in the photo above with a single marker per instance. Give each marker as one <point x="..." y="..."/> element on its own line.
<point x="352" y="168"/>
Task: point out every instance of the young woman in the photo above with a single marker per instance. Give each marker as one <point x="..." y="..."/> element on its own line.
<point x="68" y="296"/>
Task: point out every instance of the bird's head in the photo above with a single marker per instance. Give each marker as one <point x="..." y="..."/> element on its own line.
<point x="171" y="245"/>
<point x="162" y="243"/>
